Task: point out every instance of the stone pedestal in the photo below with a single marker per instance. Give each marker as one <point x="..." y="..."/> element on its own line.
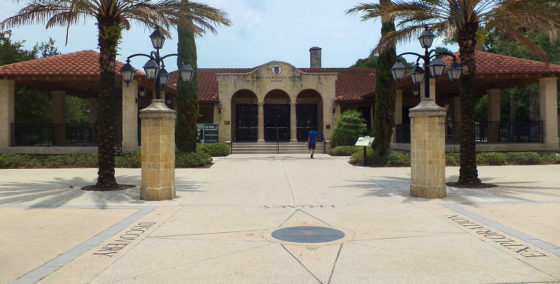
<point x="427" y="150"/>
<point x="158" y="152"/>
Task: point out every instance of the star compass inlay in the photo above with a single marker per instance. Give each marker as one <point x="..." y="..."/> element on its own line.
<point x="311" y="242"/>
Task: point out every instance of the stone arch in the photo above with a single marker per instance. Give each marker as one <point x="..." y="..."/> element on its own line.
<point x="309" y="113"/>
<point x="244" y="116"/>
<point x="276" y="110"/>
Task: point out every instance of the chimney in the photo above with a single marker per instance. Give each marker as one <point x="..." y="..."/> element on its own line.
<point x="315" y="57"/>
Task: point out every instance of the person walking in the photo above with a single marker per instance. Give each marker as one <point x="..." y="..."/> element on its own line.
<point x="311" y="141"/>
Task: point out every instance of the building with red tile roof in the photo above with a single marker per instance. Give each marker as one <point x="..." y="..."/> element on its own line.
<point x="273" y="101"/>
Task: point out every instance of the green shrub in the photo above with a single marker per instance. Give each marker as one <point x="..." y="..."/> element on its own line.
<point x="358" y="157"/>
<point x="345" y="150"/>
<point x="491" y="158"/>
<point x="129" y="160"/>
<point x="192" y="160"/>
<point x="393" y="159"/>
<point x="10" y="161"/>
<point x="523" y="158"/>
<point x="349" y="127"/>
<point x="452" y="159"/>
<point x="398" y="159"/>
<point x="550" y="158"/>
<point x="215" y="149"/>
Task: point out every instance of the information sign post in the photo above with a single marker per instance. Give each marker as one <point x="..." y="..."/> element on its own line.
<point x="365" y="142"/>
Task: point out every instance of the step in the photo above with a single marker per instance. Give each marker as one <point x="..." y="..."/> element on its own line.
<point x="273" y="148"/>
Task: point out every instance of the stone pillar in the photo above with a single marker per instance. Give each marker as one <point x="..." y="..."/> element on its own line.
<point x="158" y="151"/>
<point x="260" y="117"/>
<point x="548" y="101"/>
<point x="293" y="123"/>
<point x="129" y="116"/>
<point x="397" y="114"/>
<point x="216" y="114"/>
<point x="58" y="117"/>
<point x="7" y="112"/>
<point x="427" y="150"/>
<point x="493" y="115"/>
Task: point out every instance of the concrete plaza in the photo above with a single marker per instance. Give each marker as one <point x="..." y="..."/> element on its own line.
<point x="219" y="228"/>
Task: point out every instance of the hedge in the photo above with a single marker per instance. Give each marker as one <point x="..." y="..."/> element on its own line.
<point x="127" y="160"/>
<point x="345" y="150"/>
<point x="399" y="158"/>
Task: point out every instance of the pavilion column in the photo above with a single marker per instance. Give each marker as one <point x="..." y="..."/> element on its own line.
<point x="129" y="116"/>
<point x="432" y="89"/>
<point x="397" y="114"/>
<point x="293" y="122"/>
<point x="493" y="115"/>
<point x="58" y="115"/>
<point x="7" y="111"/>
<point x="260" y="117"/>
<point x="548" y="92"/>
<point x="216" y="114"/>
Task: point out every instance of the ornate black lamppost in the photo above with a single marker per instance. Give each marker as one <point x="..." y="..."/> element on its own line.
<point x="433" y="68"/>
<point x="155" y="67"/>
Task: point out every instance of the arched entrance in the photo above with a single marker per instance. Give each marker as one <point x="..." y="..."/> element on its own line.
<point x="245" y="116"/>
<point x="277" y="116"/>
<point x="309" y="114"/>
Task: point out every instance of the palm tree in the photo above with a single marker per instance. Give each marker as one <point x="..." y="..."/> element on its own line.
<point x="112" y="17"/>
<point x="462" y="20"/>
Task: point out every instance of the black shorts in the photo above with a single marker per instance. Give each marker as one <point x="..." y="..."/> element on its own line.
<point x="311" y="146"/>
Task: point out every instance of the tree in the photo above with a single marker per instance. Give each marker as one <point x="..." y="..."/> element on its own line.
<point x="385" y="92"/>
<point x="463" y="20"/>
<point x="112" y="16"/>
<point x="349" y="127"/>
<point x="188" y="94"/>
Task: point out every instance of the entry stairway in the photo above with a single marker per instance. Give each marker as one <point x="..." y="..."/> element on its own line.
<point x="274" y="148"/>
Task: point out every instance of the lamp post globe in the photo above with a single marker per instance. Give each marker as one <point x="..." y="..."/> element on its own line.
<point x="398" y="70"/>
<point x="127" y="73"/>
<point x="151" y="68"/>
<point x="163" y="77"/>
<point x="426" y="38"/>
<point x="418" y="75"/>
<point x="454" y="71"/>
<point x="436" y="67"/>
<point x="186" y="72"/>
<point x="157" y="39"/>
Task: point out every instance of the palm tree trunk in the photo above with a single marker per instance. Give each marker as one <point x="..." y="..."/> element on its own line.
<point x="109" y="35"/>
<point x="468" y="173"/>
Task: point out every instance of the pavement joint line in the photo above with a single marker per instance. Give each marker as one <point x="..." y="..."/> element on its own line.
<point x="54" y="264"/>
<point x="74" y="207"/>
<point x="509" y="202"/>
<point x="510" y="231"/>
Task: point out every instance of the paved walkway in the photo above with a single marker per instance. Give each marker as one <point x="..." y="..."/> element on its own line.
<point x="221" y="227"/>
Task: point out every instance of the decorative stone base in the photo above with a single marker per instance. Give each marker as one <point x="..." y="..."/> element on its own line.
<point x="427" y="150"/>
<point x="158" y="152"/>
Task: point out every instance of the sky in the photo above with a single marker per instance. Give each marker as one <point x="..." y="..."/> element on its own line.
<point x="262" y="31"/>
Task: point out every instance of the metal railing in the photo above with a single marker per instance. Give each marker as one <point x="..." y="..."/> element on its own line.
<point x="41" y="135"/>
<point x="491" y="132"/>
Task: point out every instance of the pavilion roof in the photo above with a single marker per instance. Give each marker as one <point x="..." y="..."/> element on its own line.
<point x="83" y="63"/>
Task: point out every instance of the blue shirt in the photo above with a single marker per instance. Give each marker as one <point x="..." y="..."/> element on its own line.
<point x="312" y="136"/>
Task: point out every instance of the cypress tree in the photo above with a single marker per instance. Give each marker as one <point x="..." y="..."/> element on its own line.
<point x="385" y="92"/>
<point x="186" y="131"/>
